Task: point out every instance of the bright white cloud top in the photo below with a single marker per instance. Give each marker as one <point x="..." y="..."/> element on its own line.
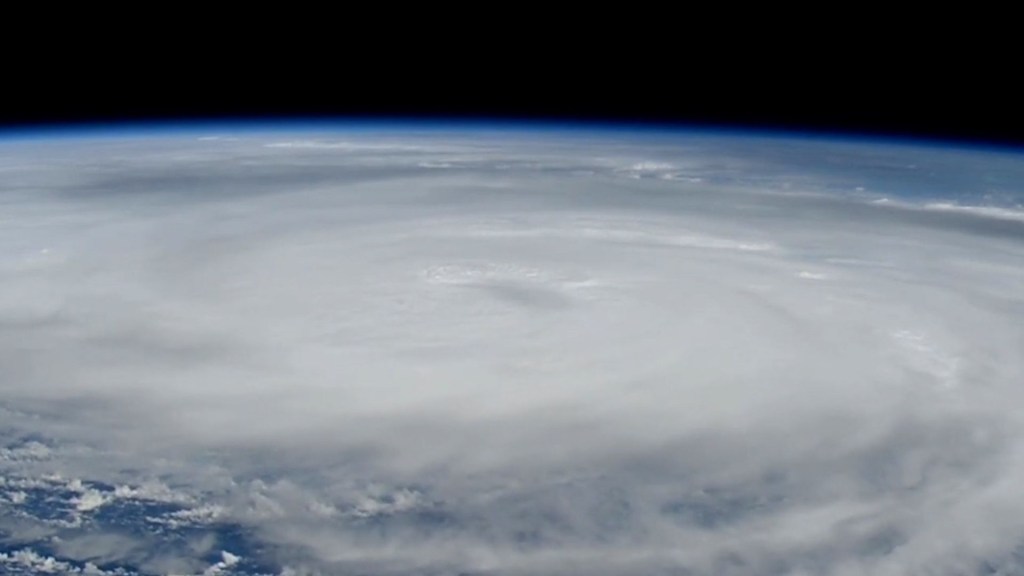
<point x="510" y="353"/>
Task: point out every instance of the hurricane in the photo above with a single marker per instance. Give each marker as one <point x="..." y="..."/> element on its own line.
<point x="499" y="351"/>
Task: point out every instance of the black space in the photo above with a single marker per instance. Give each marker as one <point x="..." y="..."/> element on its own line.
<point x="916" y="95"/>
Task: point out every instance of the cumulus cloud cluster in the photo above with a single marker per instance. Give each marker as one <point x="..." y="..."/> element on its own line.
<point x="523" y="353"/>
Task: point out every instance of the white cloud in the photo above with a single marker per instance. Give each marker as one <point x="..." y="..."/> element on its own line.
<point x="89" y="500"/>
<point x="986" y="211"/>
<point x="378" y="502"/>
<point x="28" y="558"/>
<point x="205" y="514"/>
<point x="227" y="561"/>
<point x="29" y="451"/>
